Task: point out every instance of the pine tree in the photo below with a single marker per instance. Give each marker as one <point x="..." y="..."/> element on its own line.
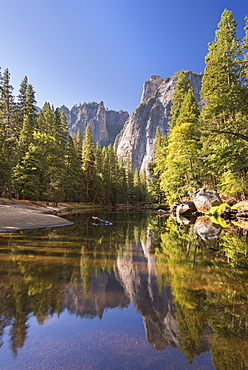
<point x="122" y="182"/>
<point x="180" y="177"/>
<point x="7" y="123"/>
<point x="25" y="104"/>
<point x="4" y="170"/>
<point x="113" y="172"/>
<point x="181" y="87"/>
<point x="137" y="186"/>
<point x="224" y="115"/>
<point x="73" y="182"/>
<point x="130" y="180"/>
<point x="63" y="130"/>
<point x="30" y="107"/>
<point x="88" y="164"/>
<point x="25" y="136"/>
<point x="156" y="168"/>
<point x="21" y="100"/>
<point x="78" y="143"/>
<point x="245" y="51"/>
<point x="46" y="121"/>
<point x="222" y="82"/>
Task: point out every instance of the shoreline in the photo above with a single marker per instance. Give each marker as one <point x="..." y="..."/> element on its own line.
<point x="21" y="215"/>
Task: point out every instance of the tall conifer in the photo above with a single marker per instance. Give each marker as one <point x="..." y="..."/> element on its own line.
<point x="222" y="82"/>
<point x="224" y="114"/>
<point x="7" y="123"/>
<point x="181" y="175"/>
<point x="181" y="87"/>
<point x="88" y="163"/>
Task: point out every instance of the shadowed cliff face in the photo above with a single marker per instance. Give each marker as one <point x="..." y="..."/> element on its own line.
<point x="138" y="134"/>
<point x="105" y="124"/>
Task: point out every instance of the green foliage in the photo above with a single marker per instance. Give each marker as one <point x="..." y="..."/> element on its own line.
<point x="217" y="210"/>
<point x="181" y="174"/>
<point x="208" y="149"/>
<point x="181" y="88"/>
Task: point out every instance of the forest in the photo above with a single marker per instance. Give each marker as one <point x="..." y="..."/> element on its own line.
<point x="206" y="145"/>
<point x="40" y="161"/>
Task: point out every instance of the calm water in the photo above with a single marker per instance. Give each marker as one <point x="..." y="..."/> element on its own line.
<point x="145" y="293"/>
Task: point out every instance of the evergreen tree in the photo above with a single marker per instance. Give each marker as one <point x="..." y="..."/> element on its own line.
<point x="73" y="183"/>
<point x="99" y="181"/>
<point x="181" y="87"/>
<point x="46" y="121"/>
<point x="25" y="105"/>
<point x="137" y="186"/>
<point x="30" y="107"/>
<point x="222" y="83"/>
<point x="4" y="171"/>
<point x="113" y="169"/>
<point x="7" y="123"/>
<point x="25" y="136"/>
<point x="78" y="143"/>
<point x="21" y="100"/>
<point x="88" y="164"/>
<point x="224" y="114"/>
<point x="245" y="51"/>
<point x="144" y="186"/>
<point x="156" y="168"/>
<point x="63" y="131"/>
<point x="130" y="180"/>
<point x="122" y="182"/>
<point x="180" y="177"/>
<point x="110" y="168"/>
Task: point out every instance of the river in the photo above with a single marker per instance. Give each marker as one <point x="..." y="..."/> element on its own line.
<point x="143" y="293"/>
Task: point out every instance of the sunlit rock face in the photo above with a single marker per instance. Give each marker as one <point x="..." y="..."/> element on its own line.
<point x="136" y="140"/>
<point x="105" y="124"/>
<point x="136" y="272"/>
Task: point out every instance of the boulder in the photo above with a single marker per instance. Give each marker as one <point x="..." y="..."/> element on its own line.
<point x="205" y="199"/>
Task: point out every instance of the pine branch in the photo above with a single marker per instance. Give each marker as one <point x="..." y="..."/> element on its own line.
<point x="231" y="133"/>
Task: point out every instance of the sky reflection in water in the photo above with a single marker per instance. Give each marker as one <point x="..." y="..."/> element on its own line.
<point x="144" y="293"/>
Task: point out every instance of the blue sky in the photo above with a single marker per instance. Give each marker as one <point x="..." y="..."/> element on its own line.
<point x="76" y="51"/>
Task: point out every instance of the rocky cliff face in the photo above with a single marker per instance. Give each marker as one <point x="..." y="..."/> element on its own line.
<point x="138" y="134"/>
<point x="105" y="124"/>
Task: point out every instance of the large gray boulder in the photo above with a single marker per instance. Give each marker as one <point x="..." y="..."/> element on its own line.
<point x="205" y="199"/>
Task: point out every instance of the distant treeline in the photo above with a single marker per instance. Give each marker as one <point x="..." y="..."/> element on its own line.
<point x="40" y="161"/>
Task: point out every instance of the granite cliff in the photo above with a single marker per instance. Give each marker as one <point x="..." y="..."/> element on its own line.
<point x="105" y="124"/>
<point x="136" y="139"/>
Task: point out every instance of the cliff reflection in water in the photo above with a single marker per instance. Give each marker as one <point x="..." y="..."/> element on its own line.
<point x="190" y="289"/>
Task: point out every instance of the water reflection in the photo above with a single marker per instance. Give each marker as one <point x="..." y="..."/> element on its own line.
<point x="188" y="282"/>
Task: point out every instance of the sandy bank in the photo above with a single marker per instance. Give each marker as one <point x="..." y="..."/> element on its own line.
<point x="19" y="215"/>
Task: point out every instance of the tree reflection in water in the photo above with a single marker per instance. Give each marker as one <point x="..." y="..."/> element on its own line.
<point x="189" y="285"/>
